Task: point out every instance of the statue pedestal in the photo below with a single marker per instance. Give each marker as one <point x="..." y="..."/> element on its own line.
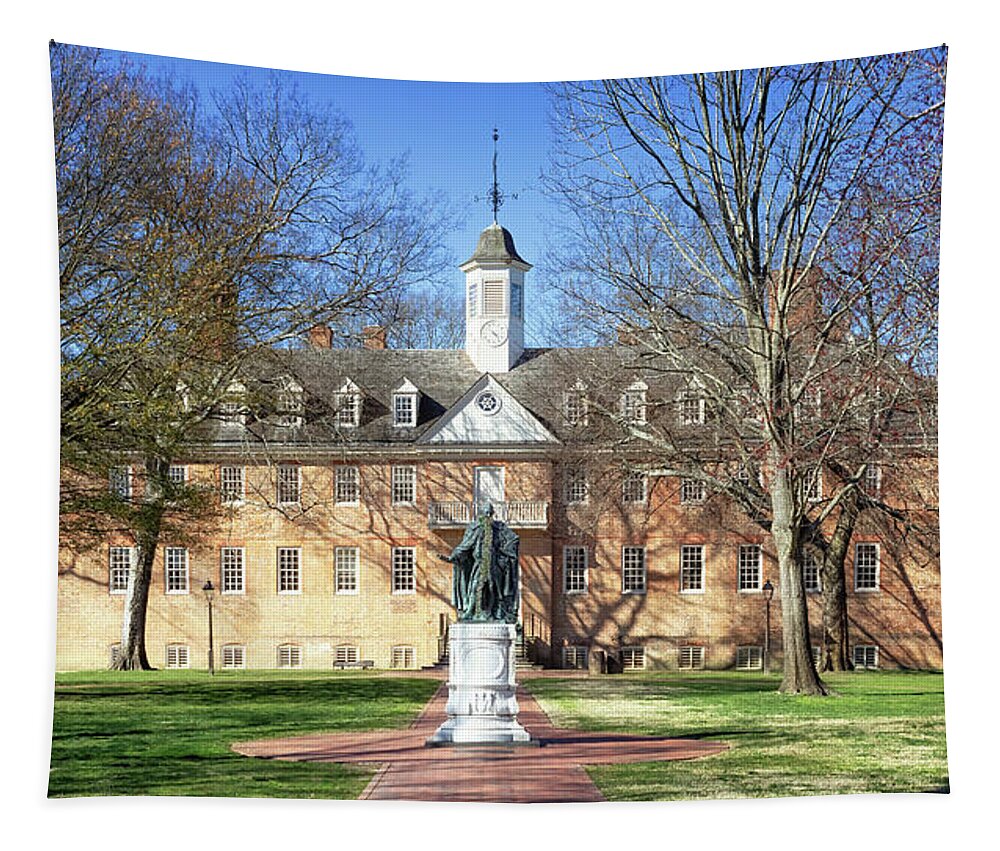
<point x="482" y="708"/>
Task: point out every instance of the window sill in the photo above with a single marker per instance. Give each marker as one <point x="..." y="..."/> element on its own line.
<point x="404" y="593"/>
<point x="582" y="593"/>
<point x="867" y="590"/>
<point x="290" y="593"/>
<point x="692" y="591"/>
<point x="354" y="504"/>
<point x="633" y="593"/>
<point x="346" y="593"/>
<point x="183" y="593"/>
<point x="240" y="593"/>
<point x="749" y="590"/>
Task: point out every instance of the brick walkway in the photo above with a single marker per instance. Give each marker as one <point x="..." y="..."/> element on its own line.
<point x="525" y="774"/>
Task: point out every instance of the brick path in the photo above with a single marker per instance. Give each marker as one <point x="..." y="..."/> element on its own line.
<point x="524" y="774"/>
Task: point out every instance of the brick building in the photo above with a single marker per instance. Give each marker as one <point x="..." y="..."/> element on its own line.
<point x="337" y="494"/>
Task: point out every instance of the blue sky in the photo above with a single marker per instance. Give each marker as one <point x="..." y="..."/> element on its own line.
<point x="446" y="130"/>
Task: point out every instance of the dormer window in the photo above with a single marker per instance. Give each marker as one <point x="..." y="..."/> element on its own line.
<point x="290" y="403"/>
<point x="404" y="405"/>
<point x="873" y="480"/>
<point x="575" y="405"/>
<point x="348" y="405"/>
<point x="633" y="404"/>
<point x="691" y="405"/>
<point x="232" y="406"/>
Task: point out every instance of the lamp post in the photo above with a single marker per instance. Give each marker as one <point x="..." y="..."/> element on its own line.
<point x="209" y="590"/>
<point x="768" y="594"/>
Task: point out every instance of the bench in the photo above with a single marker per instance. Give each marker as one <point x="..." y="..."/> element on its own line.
<point x="364" y="663"/>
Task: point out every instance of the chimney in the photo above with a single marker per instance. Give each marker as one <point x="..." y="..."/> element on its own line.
<point x="373" y="337"/>
<point x="320" y="336"/>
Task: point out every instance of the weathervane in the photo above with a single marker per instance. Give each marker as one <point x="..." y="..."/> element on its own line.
<point x="495" y="196"/>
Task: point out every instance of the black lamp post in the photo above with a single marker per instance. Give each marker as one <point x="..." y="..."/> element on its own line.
<point x="209" y="590"/>
<point x="768" y="594"/>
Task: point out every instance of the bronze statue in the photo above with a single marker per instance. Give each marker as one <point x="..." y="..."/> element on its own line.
<point x="485" y="578"/>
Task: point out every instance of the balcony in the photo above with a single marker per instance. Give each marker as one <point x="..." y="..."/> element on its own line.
<point x="532" y="514"/>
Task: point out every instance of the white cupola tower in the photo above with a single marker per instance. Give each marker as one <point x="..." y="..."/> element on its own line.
<point x="494" y="301"/>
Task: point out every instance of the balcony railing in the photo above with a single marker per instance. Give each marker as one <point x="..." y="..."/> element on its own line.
<point x="529" y="514"/>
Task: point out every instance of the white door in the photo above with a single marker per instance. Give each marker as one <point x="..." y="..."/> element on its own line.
<point x="488" y="487"/>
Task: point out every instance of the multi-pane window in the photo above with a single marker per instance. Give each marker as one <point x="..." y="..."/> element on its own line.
<point x="814" y="485"/>
<point x="176" y="561"/>
<point x="404" y="409"/>
<point x="119" y="568"/>
<point x="750" y="658"/>
<point x="574" y="656"/>
<point x="114" y="654"/>
<point x="690" y="657"/>
<point x="634" y="570"/>
<point x="346" y="654"/>
<point x="232" y="408"/>
<point x="289" y="484"/>
<point x="873" y="479"/>
<point x="233" y="570"/>
<point x="232" y="485"/>
<point x="348" y="405"/>
<point x="866" y="567"/>
<point x="178" y="656"/>
<point x="177" y="474"/>
<point x="289" y="570"/>
<point x="692" y="568"/>
<point x="575" y="570"/>
<point x="404" y="570"/>
<point x="692" y="490"/>
<point x="633" y="658"/>
<point x="120" y="482"/>
<point x="576" y="486"/>
<point x="346" y="484"/>
<point x="289" y="656"/>
<point x="345" y="570"/>
<point x="233" y="656"/>
<point x="634" y="405"/>
<point x="575" y="407"/>
<point x="749" y="571"/>
<point x="691" y="410"/>
<point x="634" y="488"/>
<point x="810" y="572"/>
<point x="865" y="656"/>
<point x="290" y="404"/>
<point x="817" y="653"/>
<point x="404" y="485"/>
<point x="402" y="657"/>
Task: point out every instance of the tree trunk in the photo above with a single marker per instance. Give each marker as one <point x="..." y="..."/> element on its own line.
<point x="836" y="653"/>
<point x="800" y="675"/>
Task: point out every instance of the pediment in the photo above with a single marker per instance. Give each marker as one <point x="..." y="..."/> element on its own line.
<point x="488" y="414"/>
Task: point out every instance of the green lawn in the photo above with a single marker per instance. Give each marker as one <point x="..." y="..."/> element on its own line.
<point x="168" y="732"/>
<point x="883" y="732"/>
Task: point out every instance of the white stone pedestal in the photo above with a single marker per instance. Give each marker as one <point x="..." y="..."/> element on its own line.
<point x="482" y="708"/>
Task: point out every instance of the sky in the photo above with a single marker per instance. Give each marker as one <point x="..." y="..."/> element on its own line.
<point x="445" y="130"/>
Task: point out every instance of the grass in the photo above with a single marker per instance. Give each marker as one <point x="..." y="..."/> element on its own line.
<point x="168" y="732"/>
<point x="882" y="732"/>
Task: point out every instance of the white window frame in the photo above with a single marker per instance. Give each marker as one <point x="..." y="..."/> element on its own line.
<point x="114" y="653"/>
<point x="347" y="564"/>
<point x="633" y="653"/>
<point x="878" y="567"/>
<point x="282" y="571"/>
<point x="290" y="403"/>
<point x="352" y="480"/>
<point x="865" y="649"/>
<point x="405" y="396"/>
<point x="633" y="404"/>
<point x="743" y="565"/>
<point x="232" y="406"/>
<point x="348" y="405"/>
<point x="172" y="474"/>
<point x="691" y="550"/>
<point x="690" y="657"/>
<point x="398" y="481"/>
<point x="576" y="410"/>
<point x="814" y="489"/>
<point x="576" y="486"/>
<point x="120" y="482"/>
<point x="225" y="488"/>
<point x="573" y="654"/>
<point x="285" y="482"/>
<point x="177" y="657"/>
<point x="626" y="568"/>
<point x="643" y="479"/>
<point x="235" y="566"/>
<point x="689" y="418"/>
<point x="114" y="570"/>
<point x="292" y="653"/>
<point x="406" y="653"/>
<point x="170" y="570"/>
<point x="398" y="587"/>
<point x="750" y="657"/>
<point x="693" y="492"/>
<point x="234" y="657"/>
<point x="346" y="654"/>
<point x="873" y="479"/>
<point x="571" y="551"/>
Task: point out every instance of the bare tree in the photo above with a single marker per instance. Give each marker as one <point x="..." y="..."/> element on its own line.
<point x="191" y="250"/>
<point x="703" y="206"/>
